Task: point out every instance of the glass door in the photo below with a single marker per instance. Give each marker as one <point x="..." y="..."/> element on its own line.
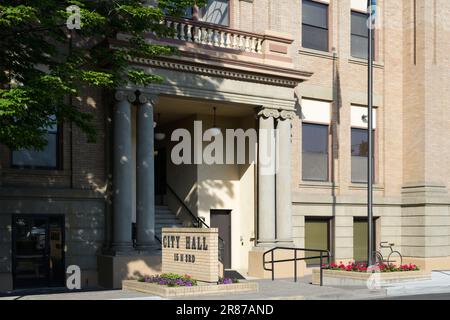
<point x="38" y="256"/>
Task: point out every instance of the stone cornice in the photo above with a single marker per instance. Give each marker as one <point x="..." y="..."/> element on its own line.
<point x="219" y="71"/>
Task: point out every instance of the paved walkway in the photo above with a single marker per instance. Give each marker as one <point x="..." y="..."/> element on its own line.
<point x="439" y="283"/>
<point x="285" y="289"/>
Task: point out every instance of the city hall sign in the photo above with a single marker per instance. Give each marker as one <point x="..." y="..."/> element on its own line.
<point x="192" y="251"/>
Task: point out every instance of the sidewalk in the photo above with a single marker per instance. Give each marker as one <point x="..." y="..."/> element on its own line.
<point x="439" y="283"/>
<point x="284" y="289"/>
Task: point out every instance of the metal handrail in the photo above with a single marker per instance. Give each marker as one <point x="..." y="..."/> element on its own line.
<point x="199" y="222"/>
<point x="295" y="259"/>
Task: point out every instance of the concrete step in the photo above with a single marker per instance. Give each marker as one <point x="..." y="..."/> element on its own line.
<point x="164" y="218"/>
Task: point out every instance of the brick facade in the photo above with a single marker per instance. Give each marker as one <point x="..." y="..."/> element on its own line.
<point x="412" y="73"/>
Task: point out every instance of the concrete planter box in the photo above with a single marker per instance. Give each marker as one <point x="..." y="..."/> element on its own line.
<point x="360" y="279"/>
<point x="163" y="291"/>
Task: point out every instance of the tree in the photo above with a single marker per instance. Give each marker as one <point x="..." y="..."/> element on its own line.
<point x="42" y="62"/>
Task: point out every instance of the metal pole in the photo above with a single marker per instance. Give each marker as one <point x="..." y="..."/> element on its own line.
<point x="273" y="268"/>
<point x="295" y="265"/>
<point x="370" y="4"/>
<point x="321" y="269"/>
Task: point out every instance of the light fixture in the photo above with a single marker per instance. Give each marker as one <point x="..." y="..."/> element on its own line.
<point x="159" y="135"/>
<point x="215" y="131"/>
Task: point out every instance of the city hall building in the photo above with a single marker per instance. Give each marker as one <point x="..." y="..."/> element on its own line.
<point x="299" y="67"/>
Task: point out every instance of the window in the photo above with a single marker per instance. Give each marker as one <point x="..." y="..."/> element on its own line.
<point x="361" y="238"/>
<point x="315" y="152"/>
<point x="360" y="152"/>
<point x="45" y="159"/>
<point x="359" y="35"/>
<point x="215" y="11"/>
<point x="317" y="236"/>
<point x="315" y="25"/>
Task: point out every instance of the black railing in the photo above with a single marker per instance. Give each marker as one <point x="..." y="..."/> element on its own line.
<point x="322" y="254"/>
<point x="197" y="222"/>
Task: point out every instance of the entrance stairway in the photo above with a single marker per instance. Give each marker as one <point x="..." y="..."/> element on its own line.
<point x="164" y="218"/>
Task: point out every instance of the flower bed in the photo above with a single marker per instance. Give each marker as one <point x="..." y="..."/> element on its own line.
<point x="359" y="275"/>
<point x="175" y="280"/>
<point x="171" y="285"/>
<point x="362" y="267"/>
<point x="170" y="280"/>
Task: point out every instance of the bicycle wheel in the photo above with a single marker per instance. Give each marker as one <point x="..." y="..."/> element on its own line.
<point x="395" y="258"/>
<point x="379" y="259"/>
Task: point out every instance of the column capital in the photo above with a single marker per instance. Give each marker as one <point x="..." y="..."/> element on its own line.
<point x="148" y="98"/>
<point x="287" y="115"/>
<point x="122" y="95"/>
<point x="267" y="112"/>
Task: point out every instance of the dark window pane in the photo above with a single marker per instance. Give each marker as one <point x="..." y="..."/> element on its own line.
<point x="315" y="25"/>
<point x="47" y="158"/>
<point x="37" y="159"/>
<point x="359" y="142"/>
<point x="359" y="35"/>
<point x="216" y="11"/>
<point x="315" y="152"/>
<point x="359" y="47"/>
<point x="315" y="14"/>
<point x="314" y="38"/>
<point x="188" y="13"/>
<point x="315" y="138"/>
<point x="359" y="24"/>
<point x="360" y="152"/>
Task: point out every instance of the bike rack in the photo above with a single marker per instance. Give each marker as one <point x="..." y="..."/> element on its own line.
<point x="322" y="254"/>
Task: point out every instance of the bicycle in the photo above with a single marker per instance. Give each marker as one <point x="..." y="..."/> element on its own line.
<point x="394" y="257"/>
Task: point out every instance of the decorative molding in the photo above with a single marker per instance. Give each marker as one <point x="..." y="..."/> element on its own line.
<point x="218" y="72"/>
<point x="148" y="98"/>
<point x="268" y="113"/>
<point x="121" y="95"/>
<point x="287" y="115"/>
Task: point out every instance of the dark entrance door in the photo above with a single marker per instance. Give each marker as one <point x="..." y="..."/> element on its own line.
<point x="160" y="175"/>
<point x="221" y="219"/>
<point x="38" y="251"/>
<point x="360" y="238"/>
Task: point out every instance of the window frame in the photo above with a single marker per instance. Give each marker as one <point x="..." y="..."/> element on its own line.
<point x="328" y="125"/>
<point x="327" y="5"/>
<point x="58" y="153"/>
<point x="198" y="12"/>
<point x="374" y="35"/>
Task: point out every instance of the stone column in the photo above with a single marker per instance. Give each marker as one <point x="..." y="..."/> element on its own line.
<point x="266" y="177"/>
<point x="283" y="179"/>
<point x="122" y="173"/>
<point x="145" y="175"/>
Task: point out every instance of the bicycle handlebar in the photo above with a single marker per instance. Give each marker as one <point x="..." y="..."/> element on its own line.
<point x="386" y="244"/>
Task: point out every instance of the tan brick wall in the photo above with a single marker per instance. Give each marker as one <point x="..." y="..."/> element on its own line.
<point x="205" y="266"/>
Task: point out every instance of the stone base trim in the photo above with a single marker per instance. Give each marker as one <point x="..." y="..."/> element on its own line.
<point x="360" y="279"/>
<point x="113" y="270"/>
<point x="282" y="270"/>
<point x="163" y="291"/>
<point x="429" y="264"/>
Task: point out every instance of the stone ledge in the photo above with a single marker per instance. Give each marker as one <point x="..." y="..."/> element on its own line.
<point x="163" y="291"/>
<point x="357" y="279"/>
